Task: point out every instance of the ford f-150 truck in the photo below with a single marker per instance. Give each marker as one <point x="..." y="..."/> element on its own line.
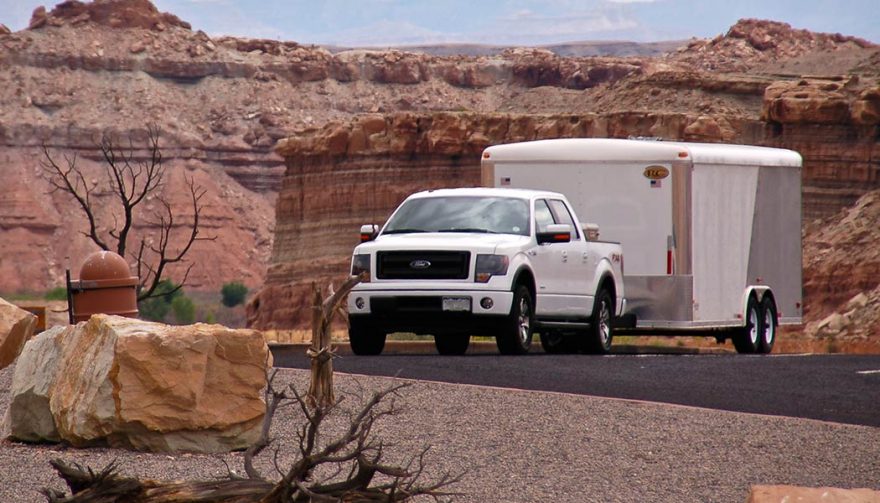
<point x="506" y="263"/>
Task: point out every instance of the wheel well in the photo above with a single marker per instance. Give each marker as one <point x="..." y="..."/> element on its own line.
<point x="525" y="277"/>
<point x="607" y="283"/>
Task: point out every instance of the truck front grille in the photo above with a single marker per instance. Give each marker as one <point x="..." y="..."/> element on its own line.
<point x="423" y="264"/>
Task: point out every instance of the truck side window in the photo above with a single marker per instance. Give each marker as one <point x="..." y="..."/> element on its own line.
<point x="563" y="216"/>
<point x="543" y="215"/>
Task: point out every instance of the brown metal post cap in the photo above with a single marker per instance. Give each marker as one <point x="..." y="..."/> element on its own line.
<point x="104" y="265"/>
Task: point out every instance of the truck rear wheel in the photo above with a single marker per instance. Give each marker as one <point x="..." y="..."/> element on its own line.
<point x="745" y="339"/>
<point x="365" y="340"/>
<point x="452" y="344"/>
<point x="516" y="337"/>
<point x="598" y="337"/>
<point x="768" y="332"/>
<point x="555" y="342"/>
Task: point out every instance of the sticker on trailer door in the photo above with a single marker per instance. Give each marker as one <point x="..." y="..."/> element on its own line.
<point x="656" y="172"/>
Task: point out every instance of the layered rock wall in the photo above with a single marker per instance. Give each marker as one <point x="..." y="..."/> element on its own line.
<point x="350" y="173"/>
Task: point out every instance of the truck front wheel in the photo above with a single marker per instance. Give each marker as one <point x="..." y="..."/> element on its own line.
<point x="598" y="337"/>
<point x="365" y="340"/>
<point x="516" y="338"/>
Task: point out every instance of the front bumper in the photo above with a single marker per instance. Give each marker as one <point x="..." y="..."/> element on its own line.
<point x="421" y="311"/>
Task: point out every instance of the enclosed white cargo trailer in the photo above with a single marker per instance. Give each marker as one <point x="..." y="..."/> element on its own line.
<point x="711" y="233"/>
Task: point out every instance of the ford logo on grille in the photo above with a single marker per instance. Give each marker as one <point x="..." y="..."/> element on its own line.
<point x="420" y="264"/>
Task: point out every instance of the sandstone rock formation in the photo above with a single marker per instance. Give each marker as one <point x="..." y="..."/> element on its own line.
<point x="223" y="103"/>
<point x="140" y="385"/>
<point x="794" y="494"/>
<point x="16" y="327"/>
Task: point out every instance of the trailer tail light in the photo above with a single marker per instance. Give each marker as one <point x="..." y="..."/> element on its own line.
<point x="669" y="262"/>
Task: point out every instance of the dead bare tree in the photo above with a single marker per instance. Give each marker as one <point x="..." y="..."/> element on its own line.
<point x="131" y="180"/>
<point x="321" y="349"/>
<point x="349" y="467"/>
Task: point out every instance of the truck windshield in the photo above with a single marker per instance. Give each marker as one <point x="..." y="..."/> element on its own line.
<point x="501" y="215"/>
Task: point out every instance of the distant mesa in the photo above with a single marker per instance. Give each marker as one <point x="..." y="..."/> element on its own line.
<point x="113" y="13"/>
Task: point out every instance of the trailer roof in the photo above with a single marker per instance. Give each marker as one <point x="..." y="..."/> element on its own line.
<point x="608" y="149"/>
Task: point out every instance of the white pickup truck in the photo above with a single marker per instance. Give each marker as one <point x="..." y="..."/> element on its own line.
<point x="498" y="262"/>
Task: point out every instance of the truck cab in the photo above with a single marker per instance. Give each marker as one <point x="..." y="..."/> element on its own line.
<point x="504" y="263"/>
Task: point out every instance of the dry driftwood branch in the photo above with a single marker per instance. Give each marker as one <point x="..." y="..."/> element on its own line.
<point x="351" y="458"/>
<point x="131" y="181"/>
<point x="321" y="350"/>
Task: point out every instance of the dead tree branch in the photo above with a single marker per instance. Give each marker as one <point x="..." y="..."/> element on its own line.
<point x="130" y="179"/>
<point x="321" y="350"/>
<point x="348" y="466"/>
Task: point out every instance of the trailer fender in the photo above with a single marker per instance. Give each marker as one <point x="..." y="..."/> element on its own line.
<point x="757" y="291"/>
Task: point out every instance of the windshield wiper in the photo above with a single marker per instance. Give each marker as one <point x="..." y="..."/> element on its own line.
<point x="403" y="231"/>
<point x="468" y="229"/>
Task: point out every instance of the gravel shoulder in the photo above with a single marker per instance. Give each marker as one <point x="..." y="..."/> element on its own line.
<point x="522" y="446"/>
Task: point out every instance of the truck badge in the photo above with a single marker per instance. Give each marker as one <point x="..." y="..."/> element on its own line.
<point x="656" y="172"/>
<point x="420" y="264"/>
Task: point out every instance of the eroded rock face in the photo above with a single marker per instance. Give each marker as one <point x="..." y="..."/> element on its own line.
<point x="147" y="386"/>
<point x="16" y="327"/>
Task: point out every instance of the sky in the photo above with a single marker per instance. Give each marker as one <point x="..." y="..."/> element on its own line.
<point x="500" y="22"/>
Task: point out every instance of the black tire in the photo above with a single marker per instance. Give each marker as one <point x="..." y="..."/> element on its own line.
<point x="452" y="344"/>
<point x="598" y="338"/>
<point x="770" y="322"/>
<point x="365" y="340"/>
<point x="555" y="342"/>
<point x="745" y="339"/>
<point x="518" y="331"/>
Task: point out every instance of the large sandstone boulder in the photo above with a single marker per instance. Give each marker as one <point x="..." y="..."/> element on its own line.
<point x="793" y="494"/>
<point x="16" y="327"/>
<point x="28" y="417"/>
<point x="147" y="386"/>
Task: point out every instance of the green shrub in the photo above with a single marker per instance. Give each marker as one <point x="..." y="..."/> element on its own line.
<point x="184" y="310"/>
<point x="233" y="293"/>
<point x="156" y="308"/>
<point x="57" y="293"/>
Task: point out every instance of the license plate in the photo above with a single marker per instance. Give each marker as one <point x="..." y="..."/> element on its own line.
<point x="456" y="303"/>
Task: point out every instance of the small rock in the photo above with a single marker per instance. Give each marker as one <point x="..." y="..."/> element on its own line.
<point x="834" y="322"/>
<point x="859" y="301"/>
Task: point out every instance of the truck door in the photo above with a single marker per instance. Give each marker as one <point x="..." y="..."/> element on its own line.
<point x="554" y="265"/>
<point x="579" y="262"/>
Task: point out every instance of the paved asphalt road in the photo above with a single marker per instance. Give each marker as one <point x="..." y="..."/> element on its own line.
<point x="838" y="388"/>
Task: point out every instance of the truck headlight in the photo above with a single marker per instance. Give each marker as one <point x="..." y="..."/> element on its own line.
<point x="490" y="265"/>
<point x="360" y="263"/>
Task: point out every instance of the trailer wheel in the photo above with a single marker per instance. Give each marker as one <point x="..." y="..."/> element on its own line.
<point x="768" y="331"/>
<point x="516" y="338"/>
<point x="598" y="337"/>
<point x="555" y="342"/>
<point x="745" y="339"/>
<point x="452" y="344"/>
<point x="365" y="340"/>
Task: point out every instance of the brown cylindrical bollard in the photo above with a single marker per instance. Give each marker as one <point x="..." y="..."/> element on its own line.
<point x="106" y="286"/>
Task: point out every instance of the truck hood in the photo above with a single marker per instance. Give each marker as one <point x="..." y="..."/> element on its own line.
<point x="470" y="241"/>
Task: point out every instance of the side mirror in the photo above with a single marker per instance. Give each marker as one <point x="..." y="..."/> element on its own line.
<point x="369" y="232"/>
<point x="591" y="231"/>
<point x="555" y="233"/>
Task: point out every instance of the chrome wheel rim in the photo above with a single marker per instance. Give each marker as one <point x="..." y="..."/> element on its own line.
<point x="769" y="327"/>
<point x="604" y="323"/>
<point x="525" y="321"/>
<point x="753" y="321"/>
